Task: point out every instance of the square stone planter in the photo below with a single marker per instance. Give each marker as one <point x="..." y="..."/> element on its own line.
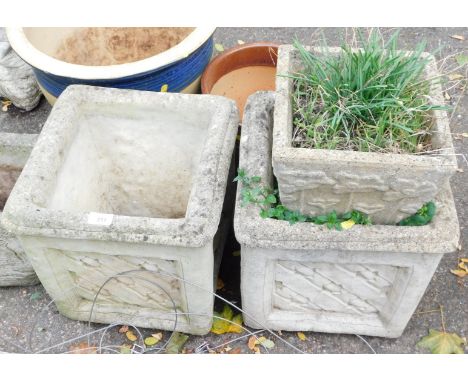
<point x="387" y="187"/>
<point x="15" y="269"/>
<point x="366" y="280"/>
<point x="124" y="181"/>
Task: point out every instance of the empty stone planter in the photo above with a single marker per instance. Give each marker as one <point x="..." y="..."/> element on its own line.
<point x="366" y="280"/>
<point x="15" y="268"/>
<point x="388" y="187"/>
<point x="125" y="181"/>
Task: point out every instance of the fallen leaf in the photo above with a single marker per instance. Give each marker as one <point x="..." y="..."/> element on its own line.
<point x="176" y="343"/>
<point x="158" y="336"/>
<point x="459" y="272"/>
<point x="219" y="284"/>
<point x="442" y="342"/>
<point x="347" y="224"/>
<point x="227" y="349"/>
<point x="240" y="42"/>
<point x="35" y="296"/>
<point x="126" y="349"/>
<point x="5" y="105"/>
<point x="123" y="329"/>
<point x="252" y="342"/>
<point x="301" y="336"/>
<point x="447" y="96"/>
<point x="463" y="259"/>
<point x="463" y="266"/>
<point x="219" y="47"/>
<point x="457" y="37"/>
<point x="151" y="341"/>
<point x="455" y="76"/>
<point x="132" y="337"/>
<point x="83" y="348"/>
<point x="269" y="344"/>
<point x="222" y="324"/>
<point x="462" y="59"/>
<point x="164" y="88"/>
<point x="235" y="351"/>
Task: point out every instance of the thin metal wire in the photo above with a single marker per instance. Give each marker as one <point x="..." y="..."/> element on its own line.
<point x="367" y="343"/>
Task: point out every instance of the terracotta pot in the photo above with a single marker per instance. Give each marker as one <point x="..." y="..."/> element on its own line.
<point x="254" y="54"/>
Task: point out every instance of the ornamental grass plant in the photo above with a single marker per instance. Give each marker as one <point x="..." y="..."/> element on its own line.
<point x="373" y="99"/>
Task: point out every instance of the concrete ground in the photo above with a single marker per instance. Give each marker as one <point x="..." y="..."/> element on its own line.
<point x="29" y="324"/>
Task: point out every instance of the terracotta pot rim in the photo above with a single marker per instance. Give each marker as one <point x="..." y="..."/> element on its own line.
<point x="229" y="53"/>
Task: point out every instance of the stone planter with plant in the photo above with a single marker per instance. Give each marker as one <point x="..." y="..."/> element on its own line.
<point x="360" y="129"/>
<point x="300" y="273"/>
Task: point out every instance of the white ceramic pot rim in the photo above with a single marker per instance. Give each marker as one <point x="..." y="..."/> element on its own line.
<point x="48" y="64"/>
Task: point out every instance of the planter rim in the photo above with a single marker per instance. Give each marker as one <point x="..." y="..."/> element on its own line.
<point x="228" y="54"/>
<point x="48" y="64"/>
<point x="24" y="215"/>
<point x="444" y="156"/>
<point x="440" y="236"/>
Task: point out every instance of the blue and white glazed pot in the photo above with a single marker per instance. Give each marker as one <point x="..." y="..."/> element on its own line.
<point x="177" y="69"/>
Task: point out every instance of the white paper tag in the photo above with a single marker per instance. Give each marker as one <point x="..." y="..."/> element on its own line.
<point x="100" y="219"/>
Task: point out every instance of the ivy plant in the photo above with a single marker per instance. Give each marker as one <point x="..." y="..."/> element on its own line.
<point x="266" y="198"/>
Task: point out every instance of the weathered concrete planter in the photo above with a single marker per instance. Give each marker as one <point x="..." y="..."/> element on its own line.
<point x="15" y="268"/>
<point x="123" y="180"/>
<point x="388" y="187"/>
<point x="367" y="280"/>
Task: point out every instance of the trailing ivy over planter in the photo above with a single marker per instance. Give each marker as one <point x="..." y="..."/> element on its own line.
<point x="253" y="192"/>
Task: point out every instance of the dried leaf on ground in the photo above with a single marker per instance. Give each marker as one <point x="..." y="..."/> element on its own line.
<point x="301" y="336"/>
<point x="462" y="270"/>
<point x="459" y="272"/>
<point x="269" y="344"/>
<point x="219" y="47"/>
<point x="158" y="336"/>
<point x="176" y="343"/>
<point x="131" y="336"/>
<point x="123" y="329"/>
<point x="458" y="37"/>
<point x="253" y="344"/>
<point x="151" y="341"/>
<point x="442" y="342"/>
<point x="5" y="105"/>
<point x="126" y="349"/>
<point x="462" y="59"/>
<point x="235" y="351"/>
<point x="83" y="348"/>
<point x="222" y="324"/>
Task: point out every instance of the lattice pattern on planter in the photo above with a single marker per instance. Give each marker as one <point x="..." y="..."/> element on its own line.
<point x="317" y="192"/>
<point x="357" y="289"/>
<point x="89" y="271"/>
